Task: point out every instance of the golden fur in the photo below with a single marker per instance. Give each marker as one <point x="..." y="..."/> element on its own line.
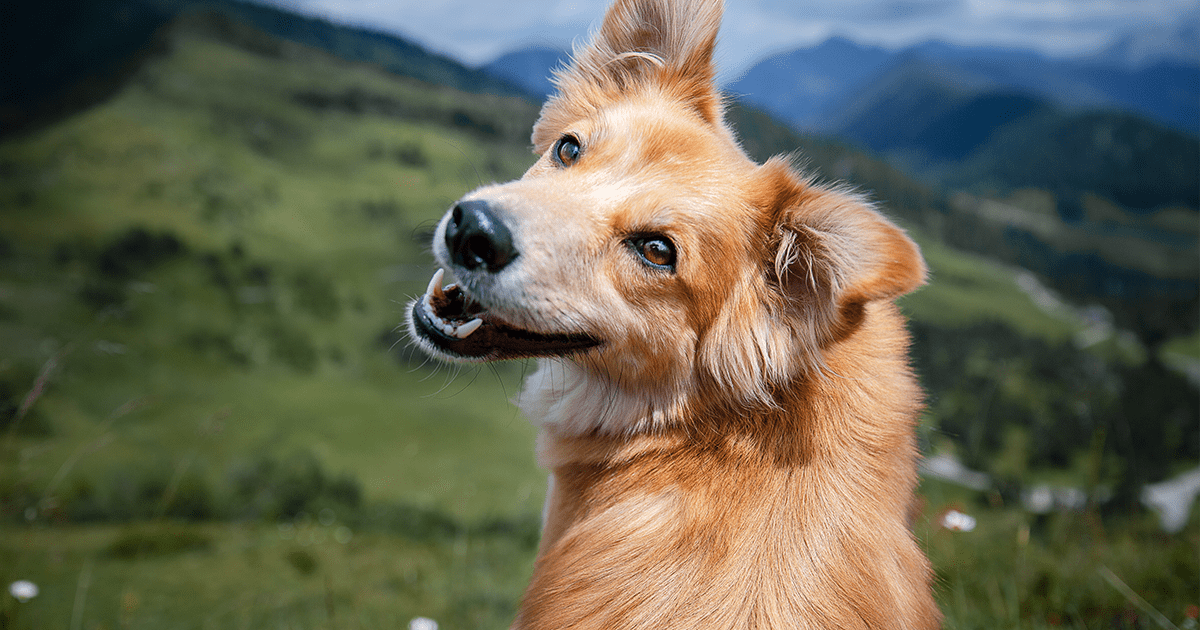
<point x="737" y="451"/>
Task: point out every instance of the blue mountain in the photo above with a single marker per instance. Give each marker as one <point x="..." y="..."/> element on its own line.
<point x="816" y="87"/>
<point x="529" y="68"/>
<point x="799" y="86"/>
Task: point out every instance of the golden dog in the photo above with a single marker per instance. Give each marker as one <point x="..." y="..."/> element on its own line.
<point x="723" y="391"/>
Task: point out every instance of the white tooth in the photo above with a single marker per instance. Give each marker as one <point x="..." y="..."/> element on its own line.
<point x="464" y="331"/>
<point x="448" y="329"/>
<point x="435" y="284"/>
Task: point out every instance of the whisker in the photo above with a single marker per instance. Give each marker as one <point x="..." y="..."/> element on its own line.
<point x="470" y="162"/>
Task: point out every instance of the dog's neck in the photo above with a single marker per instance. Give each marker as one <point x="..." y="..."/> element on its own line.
<point x="867" y="399"/>
<point x="569" y="400"/>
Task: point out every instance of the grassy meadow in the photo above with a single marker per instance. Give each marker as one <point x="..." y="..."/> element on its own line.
<point x="212" y="419"/>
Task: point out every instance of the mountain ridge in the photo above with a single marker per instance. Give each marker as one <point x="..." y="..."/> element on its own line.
<point x="1167" y="90"/>
<point x="529" y="68"/>
<point x="67" y="56"/>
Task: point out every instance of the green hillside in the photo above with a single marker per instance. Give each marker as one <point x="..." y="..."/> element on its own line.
<point x="68" y="55"/>
<point x="210" y="419"/>
<point x="1132" y="161"/>
<point x="205" y="238"/>
<point x="206" y="273"/>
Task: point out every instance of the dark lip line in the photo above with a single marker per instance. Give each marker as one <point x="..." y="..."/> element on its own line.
<point x="434" y="335"/>
<point x="568" y="343"/>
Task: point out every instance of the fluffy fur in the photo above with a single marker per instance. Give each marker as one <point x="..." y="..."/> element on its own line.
<point x="737" y="450"/>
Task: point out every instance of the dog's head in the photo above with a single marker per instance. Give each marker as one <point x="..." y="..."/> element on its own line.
<point x="645" y="249"/>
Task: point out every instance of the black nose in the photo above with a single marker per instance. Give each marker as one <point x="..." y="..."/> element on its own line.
<point x="475" y="237"/>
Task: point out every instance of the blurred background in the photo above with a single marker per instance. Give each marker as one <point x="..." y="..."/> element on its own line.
<point x="212" y="215"/>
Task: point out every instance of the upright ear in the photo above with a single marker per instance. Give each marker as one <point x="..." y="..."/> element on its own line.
<point x="834" y="253"/>
<point x="666" y="44"/>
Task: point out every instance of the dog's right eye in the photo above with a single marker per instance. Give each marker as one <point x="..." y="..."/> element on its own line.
<point x="567" y="151"/>
<point x="656" y="251"/>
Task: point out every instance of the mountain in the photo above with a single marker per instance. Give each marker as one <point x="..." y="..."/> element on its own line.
<point x="798" y="86"/>
<point x="62" y="57"/>
<point x="530" y="68"/>
<point x="356" y="44"/>
<point x="1061" y="220"/>
<point x="955" y="130"/>
<point x="813" y="87"/>
<point x="65" y="56"/>
<point x="924" y="111"/>
<point x="1138" y="164"/>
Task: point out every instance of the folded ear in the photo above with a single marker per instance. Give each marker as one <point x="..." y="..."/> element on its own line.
<point x="828" y="253"/>
<point x="666" y="44"/>
<point x="834" y="253"/>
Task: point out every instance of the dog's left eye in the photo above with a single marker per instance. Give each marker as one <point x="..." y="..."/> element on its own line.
<point x="567" y="150"/>
<point x="656" y="251"/>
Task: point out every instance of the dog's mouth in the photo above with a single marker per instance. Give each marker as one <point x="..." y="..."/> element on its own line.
<point x="458" y="326"/>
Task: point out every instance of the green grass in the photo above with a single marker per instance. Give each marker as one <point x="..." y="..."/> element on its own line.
<point x="966" y="289"/>
<point x="1019" y="570"/>
<point x="308" y="575"/>
<point x="1013" y="571"/>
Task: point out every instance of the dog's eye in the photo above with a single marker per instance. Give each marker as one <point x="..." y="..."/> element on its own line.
<point x="656" y="251"/>
<point x="567" y="150"/>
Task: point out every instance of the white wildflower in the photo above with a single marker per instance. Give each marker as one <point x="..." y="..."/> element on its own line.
<point x="422" y="623"/>
<point x="956" y="521"/>
<point x="23" y="590"/>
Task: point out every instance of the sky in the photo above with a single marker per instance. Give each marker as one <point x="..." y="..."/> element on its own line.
<point x="477" y="31"/>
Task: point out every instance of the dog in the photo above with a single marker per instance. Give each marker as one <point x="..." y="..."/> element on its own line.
<point x="723" y="391"/>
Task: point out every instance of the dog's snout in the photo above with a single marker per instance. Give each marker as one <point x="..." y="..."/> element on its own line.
<point x="475" y="237"/>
